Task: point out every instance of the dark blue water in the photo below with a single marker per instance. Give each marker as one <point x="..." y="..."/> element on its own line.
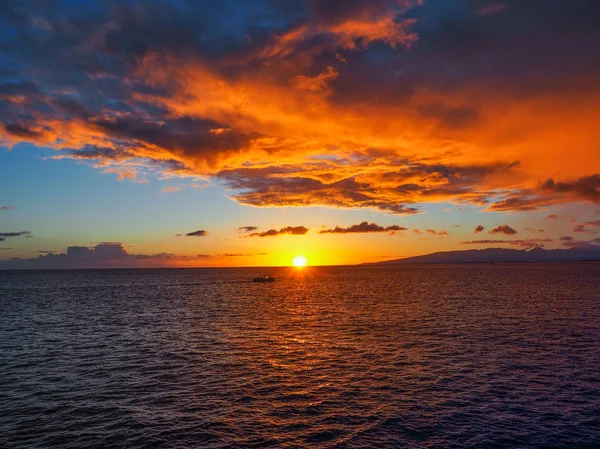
<point x="458" y="356"/>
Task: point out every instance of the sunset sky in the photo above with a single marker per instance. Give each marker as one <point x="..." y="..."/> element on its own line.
<point x="242" y="133"/>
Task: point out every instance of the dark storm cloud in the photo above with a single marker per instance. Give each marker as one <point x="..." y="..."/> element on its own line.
<point x="363" y="228"/>
<point x="478" y="229"/>
<point x="289" y="230"/>
<point x="503" y="229"/>
<point x="200" y="233"/>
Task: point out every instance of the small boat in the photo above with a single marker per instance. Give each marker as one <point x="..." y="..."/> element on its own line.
<point x="264" y="278"/>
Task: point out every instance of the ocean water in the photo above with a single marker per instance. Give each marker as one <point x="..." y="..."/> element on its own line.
<point x="494" y="356"/>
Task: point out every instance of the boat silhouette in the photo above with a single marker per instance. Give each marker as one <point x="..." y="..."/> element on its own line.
<point x="264" y="278"/>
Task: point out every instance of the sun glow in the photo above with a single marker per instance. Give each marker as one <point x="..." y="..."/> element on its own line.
<point x="299" y="261"/>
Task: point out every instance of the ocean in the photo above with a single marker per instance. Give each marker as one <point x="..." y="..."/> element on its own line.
<point x="464" y="356"/>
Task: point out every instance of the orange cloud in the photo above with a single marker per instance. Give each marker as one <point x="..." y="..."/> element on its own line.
<point x="303" y="117"/>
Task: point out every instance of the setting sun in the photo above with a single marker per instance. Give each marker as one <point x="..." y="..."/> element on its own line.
<point x="299" y="261"/>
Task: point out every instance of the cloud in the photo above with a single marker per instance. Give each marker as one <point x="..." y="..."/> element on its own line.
<point x="552" y="217"/>
<point x="434" y="232"/>
<point x="363" y="228"/>
<point x="416" y="231"/>
<point x="534" y="230"/>
<point x="200" y="233"/>
<point x="290" y="230"/>
<point x="102" y="255"/>
<point x="584" y="227"/>
<point x="503" y="229"/>
<point x="315" y="83"/>
<point x="526" y="243"/>
<point x="386" y="104"/>
<point x="6" y="207"/>
<point x="131" y="175"/>
<point x="572" y="243"/>
<point x="8" y="235"/>
<point x="586" y="187"/>
<point x="478" y="229"/>
<point x="247" y="228"/>
<point x="169" y="189"/>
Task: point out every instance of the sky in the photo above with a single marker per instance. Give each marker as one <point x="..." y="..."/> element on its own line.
<point x="244" y="133"/>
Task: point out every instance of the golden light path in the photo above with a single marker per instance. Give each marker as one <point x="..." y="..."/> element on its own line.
<point x="299" y="261"/>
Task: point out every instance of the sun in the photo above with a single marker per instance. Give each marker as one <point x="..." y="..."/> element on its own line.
<point x="299" y="261"/>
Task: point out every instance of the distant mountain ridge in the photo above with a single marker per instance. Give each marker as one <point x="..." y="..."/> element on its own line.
<point x="502" y="255"/>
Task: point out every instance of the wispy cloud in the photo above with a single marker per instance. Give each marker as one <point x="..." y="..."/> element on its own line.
<point x="199" y="233"/>
<point x="570" y="242"/>
<point x="247" y="228"/>
<point x="584" y="227"/>
<point x="541" y="231"/>
<point x="525" y="243"/>
<point x="478" y="229"/>
<point x="8" y="235"/>
<point x="434" y="232"/>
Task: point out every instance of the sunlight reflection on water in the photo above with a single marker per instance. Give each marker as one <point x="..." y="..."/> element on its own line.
<point x="463" y="356"/>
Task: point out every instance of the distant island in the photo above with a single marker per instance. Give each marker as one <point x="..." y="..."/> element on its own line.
<point x="502" y="255"/>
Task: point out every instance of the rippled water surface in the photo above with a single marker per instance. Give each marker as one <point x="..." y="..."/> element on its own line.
<point x="454" y="356"/>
